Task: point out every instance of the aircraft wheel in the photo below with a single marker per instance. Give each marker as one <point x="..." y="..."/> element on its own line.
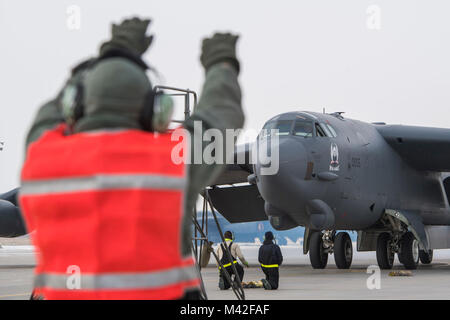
<point x="426" y="257"/>
<point x="343" y="250"/>
<point x="400" y="257"/>
<point x="317" y="254"/>
<point x="385" y="254"/>
<point x="409" y="251"/>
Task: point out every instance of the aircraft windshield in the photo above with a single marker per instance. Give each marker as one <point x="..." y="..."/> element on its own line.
<point x="283" y="127"/>
<point x="303" y="128"/>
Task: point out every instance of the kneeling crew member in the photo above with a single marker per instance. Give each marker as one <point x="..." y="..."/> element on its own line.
<point x="235" y="251"/>
<point x="270" y="258"/>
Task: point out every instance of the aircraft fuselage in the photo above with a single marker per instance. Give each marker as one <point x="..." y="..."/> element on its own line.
<point x="347" y="166"/>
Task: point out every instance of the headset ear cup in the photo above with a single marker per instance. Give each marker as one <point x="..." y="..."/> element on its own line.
<point x="72" y="102"/>
<point x="147" y="112"/>
<point x="163" y="111"/>
<point x="78" y="109"/>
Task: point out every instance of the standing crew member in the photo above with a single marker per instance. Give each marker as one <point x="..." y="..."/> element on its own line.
<point x="235" y="251"/>
<point x="270" y="258"/>
<point x="109" y="206"/>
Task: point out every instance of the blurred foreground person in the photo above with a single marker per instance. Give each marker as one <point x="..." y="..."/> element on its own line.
<point x="270" y="258"/>
<point x="110" y="207"/>
<point x="235" y="251"/>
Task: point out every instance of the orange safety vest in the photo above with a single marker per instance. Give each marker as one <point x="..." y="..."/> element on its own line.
<point x="107" y="210"/>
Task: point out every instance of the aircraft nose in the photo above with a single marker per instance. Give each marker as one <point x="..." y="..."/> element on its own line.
<point x="280" y="155"/>
<point x="280" y="177"/>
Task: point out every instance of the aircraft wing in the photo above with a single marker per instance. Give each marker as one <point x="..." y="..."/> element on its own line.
<point x="238" y="203"/>
<point x="232" y="196"/>
<point x="423" y="148"/>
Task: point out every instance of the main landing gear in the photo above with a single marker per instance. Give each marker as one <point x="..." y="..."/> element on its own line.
<point x="324" y="243"/>
<point x="398" y="239"/>
<point x="407" y="248"/>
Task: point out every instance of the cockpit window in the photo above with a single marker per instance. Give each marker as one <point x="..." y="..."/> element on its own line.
<point x="320" y="131"/>
<point x="325" y="130"/>
<point x="283" y="127"/>
<point x="332" y="131"/>
<point x="303" y="129"/>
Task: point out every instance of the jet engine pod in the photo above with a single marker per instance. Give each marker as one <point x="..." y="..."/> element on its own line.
<point x="321" y="217"/>
<point x="282" y="223"/>
<point x="11" y="223"/>
<point x="279" y="219"/>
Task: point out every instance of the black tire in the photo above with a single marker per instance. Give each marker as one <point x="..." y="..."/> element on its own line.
<point x="385" y="256"/>
<point x="317" y="254"/>
<point x="426" y="257"/>
<point x="409" y="251"/>
<point x="399" y="258"/>
<point x="343" y="250"/>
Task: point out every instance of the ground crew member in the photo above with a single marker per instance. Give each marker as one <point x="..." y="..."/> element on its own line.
<point x="110" y="209"/>
<point x="270" y="258"/>
<point x="235" y="251"/>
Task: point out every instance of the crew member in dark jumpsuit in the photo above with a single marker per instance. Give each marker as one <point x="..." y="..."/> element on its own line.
<point x="270" y="258"/>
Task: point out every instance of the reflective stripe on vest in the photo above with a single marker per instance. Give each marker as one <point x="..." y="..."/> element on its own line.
<point x="228" y="264"/>
<point x="269" y="265"/>
<point x="102" y="182"/>
<point x="146" y="280"/>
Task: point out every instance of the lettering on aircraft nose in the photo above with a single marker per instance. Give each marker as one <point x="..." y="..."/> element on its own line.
<point x="334" y="165"/>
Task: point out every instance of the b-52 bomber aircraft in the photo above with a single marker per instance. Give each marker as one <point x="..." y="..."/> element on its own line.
<point x="388" y="182"/>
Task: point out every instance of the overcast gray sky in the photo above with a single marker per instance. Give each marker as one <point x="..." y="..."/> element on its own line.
<point x="296" y="55"/>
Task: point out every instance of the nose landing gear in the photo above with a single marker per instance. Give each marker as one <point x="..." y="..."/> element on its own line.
<point x="343" y="250"/>
<point x="318" y="251"/>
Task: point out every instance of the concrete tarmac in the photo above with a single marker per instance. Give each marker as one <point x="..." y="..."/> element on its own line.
<point x="298" y="281"/>
<point x="16" y="272"/>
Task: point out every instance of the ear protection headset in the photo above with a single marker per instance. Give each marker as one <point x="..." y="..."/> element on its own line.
<point x="274" y="238"/>
<point x="232" y="234"/>
<point x="156" y="112"/>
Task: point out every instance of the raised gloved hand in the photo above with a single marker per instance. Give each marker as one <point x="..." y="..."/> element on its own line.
<point x="246" y="264"/>
<point x="220" y="48"/>
<point x="131" y="35"/>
